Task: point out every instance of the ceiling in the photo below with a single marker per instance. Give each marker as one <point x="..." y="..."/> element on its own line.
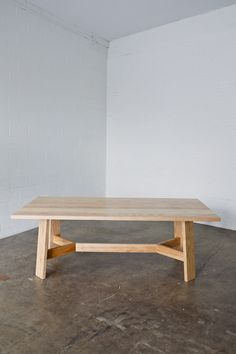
<point x="111" y="19"/>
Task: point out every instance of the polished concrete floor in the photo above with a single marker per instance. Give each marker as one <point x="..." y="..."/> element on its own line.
<point x="118" y="303"/>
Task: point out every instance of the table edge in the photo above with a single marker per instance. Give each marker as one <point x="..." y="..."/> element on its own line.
<point x="16" y="216"/>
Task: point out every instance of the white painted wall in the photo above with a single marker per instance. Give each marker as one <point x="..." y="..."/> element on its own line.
<point x="171" y="112"/>
<point x="52" y="113"/>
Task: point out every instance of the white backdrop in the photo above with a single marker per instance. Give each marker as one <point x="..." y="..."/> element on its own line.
<point x="171" y="112"/>
<point x="52" y="113"/>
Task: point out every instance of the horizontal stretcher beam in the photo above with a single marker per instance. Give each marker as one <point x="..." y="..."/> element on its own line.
<point x="51" y="244"/>
<point x="174" y="242"/>
<point x="166" y="248"/>
<point x="130" y="248"/>
<point x="61" y="250"/>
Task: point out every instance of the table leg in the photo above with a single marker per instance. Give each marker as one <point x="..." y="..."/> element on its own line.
<point x="188" y="250"/>
<point x="54" y="230"/>
<point x="178" y="232"/>
<point x="42" y="248"/>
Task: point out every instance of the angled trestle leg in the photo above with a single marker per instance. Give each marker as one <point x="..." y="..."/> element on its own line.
<point x="42" y="249"/>
<point x="181" y="247"/>
<point x="184" y="230"/>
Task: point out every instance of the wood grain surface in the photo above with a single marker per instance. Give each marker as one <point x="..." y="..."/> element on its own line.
<point x="139" y="209"/>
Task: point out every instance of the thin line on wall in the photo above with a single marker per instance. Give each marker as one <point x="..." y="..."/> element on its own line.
<point x="34" y="9"/>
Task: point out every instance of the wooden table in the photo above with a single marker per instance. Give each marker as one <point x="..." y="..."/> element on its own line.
<point x="50" y="210"/>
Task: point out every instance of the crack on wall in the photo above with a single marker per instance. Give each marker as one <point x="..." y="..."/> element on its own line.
<point x="36" y="10"/>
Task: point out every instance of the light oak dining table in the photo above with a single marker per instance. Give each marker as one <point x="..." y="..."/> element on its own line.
<point x="181" y="212"/>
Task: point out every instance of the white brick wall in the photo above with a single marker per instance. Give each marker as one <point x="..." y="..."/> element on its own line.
<point x="170" y="113"/>
<point x="52" y="113"/>
<point x="171" y="116"/>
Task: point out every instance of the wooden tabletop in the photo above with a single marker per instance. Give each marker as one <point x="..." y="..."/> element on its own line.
<point x="142" y="209"/>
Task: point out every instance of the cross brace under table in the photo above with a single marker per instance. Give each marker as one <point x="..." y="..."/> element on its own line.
<point x="51" y="244"/>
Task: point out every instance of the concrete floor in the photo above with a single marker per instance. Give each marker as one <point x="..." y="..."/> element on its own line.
<point x="118" y="303"/>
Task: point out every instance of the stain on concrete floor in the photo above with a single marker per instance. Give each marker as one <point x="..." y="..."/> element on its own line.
<point x="119" y="303"/>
